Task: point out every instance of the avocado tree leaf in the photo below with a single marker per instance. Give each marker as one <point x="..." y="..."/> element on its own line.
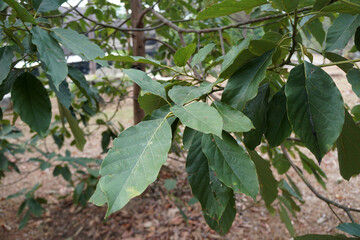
<point x="183" y="94"/>
<point x="47" y="5"/>
<point x="77" y="43"/>
<point x="231" y="164"/>
<point x="188" y="137"/>
<point x="286" y="5"/>
<point x="284" y="216"/>
<point x="199" y="116"/>
<point x="268" y="184"/>
<point x="350" y="228"/>
<point x="134" y="162"/>
<point x="333" y="57"/>
<point x="319" y="4"/>
<point x="63" y="93"/>
<point x="256" y="110"/>
<point x="7" y="83"/>
<point x="31" y="102"/>
<point x="23" y="14"/>
<point x="80" y="81"/>
<point x="233" y="119"/>
<point x="132" y="59"/>
<point x="345" y="7"/>
<point x="340" y="32"/>
<point x="201" y="55"/>
<point x="150" y="102"/>
<point x="278" y="125"/>
<point x="213" y="196"/>
<point x="348" y="148"/>
<point x="228" y="7"/>
<point x="98" y="198"/>
<point x="183" y="54"/>
<point x="243" y="85"/>
<point x="6" y="56"/>
<point x="51" y="54"/>
<point x="353" y="76"/>
<point x="146" y="83"/>
<point x="74" y="127"/>
<point x="315" y="108"/>
<point x="357" y="39"/>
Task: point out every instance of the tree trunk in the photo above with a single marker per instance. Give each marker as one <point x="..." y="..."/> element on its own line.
<point x="138" y="50"/>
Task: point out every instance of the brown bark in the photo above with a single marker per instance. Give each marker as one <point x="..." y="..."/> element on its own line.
<point x="138" y="50"/>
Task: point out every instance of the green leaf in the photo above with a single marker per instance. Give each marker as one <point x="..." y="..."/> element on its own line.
<point x="343" y="7"/>
<point x="235" y="58"/>
<point x="278" y="125"/>
<point x="281" y="164"/>
<point x="34" y="207"/>
<point x="150" y="102"/>
<point x="268" y="184"/>
<point x="98" y="198"/>
<point x="51" y="54"/>
<point x="24" y="220"/>
<point x="243" y="85"/>
<point x="184" y="94"/>
<point x="333" y="57"/>
<point x="286" y="5"/>
<point x="134" y="162"/>
<point x="80" y="81"/>
<point x="74" y="127"/>
<point x="199" y="116"/>
<point x="357" y="39"/>
<point x="256" y="110"/>
<point x="7" y="84"/>
<point x="321" y="237"/>
<point x="353" y="76"/>
<point x="132" y="59"/>
<point x="47" y="5"/>
<point x="316" y="29"/>
<point x="340" y="32"/>
<point x="315" y="108"/>
<point x="319" y="4"/>
<point x="6" y="56"/>
<point x="145" y="82"/>
<point x="231" y="164"/>
<point x="348" y="148"/>
<point x="201" y="55"/>
<point x="233" y="119"/>
<point x="63" y="94"/>
<point x="32" y="102"/>
<point x="286" y="220"/>
<point x="213" y="196"/>
<point x="188" y="137"/>
<point x="228" y="7"/>
<point x="183" y="54"/>
<point x="170" y="184"/>
<point x="350" y="228"/>
<point x="77" y="43"/>
<point x="24" y="15"/>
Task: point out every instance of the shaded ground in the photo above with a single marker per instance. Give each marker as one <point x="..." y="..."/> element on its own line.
<point x="155" y="214"/>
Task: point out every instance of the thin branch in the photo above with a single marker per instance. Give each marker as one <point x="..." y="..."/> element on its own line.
<point x="348" y="210"/>
<point x="222" y="43"/>
<point x="162" y="42"/>
<point x="62" y="15"/>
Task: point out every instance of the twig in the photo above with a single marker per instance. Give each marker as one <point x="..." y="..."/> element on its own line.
<point x="348" y="210"/>
<point x="162" y="42"/>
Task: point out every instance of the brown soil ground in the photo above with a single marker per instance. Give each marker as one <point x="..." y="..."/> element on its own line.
<point x="154" y="215"/>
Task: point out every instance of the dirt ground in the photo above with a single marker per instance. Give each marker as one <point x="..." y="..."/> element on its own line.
<point x="155" y="214"/>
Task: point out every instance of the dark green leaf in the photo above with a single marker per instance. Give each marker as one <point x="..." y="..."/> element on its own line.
<point x="6" y="56"/>
<point x="321" y="237"/>
<point x="286" y="220"/>
<point x="183" y="94"/>
<point x="228" y="7"/>
<point x="268" y="184"/>
<point x="188" y="137"/>
<point x="333" y="57"/>
<point x="353" y="76"/>
<point x="132" y="59"/>
<point x="51" y="54"/>
<point x="74" y="127"/>
<point x="349" y="6"/>
<point x="350" y="228"/>
<point x="47" y="5"/>
<point x="77" y="43"/>
<point x="80" y="81"/>
<point x="315" y="108"/>
<point x="63" y="93"/>
<point x="150" y="102"/>
<point x="357" y="39"/>
<point x="319" y="4"/>
<point x="278" y="125"/>
<point x="316" y="29"/>
<point x="21" y="12"/>
<point x="286" y="5"/>
<point x="213" y="196"/>
<point x="199" y="116"/>
<point x="32" y="102"/>
<point x="243" y="85"/>
<point x="183" y="54"/>
<point x="201" y="55"/>
<point x="348" y="148"/>
<point x="256" y="110"/>
<point x="134" y="162"/>
<point x="6" y="86"/>
<point x="231" y="164"/>
<point x="34" y="207"/>
<point x="24" y="220"/>
<point x="233" y="119"/>
<point x="145" y="82"/>
<point x="340" y="32"/>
